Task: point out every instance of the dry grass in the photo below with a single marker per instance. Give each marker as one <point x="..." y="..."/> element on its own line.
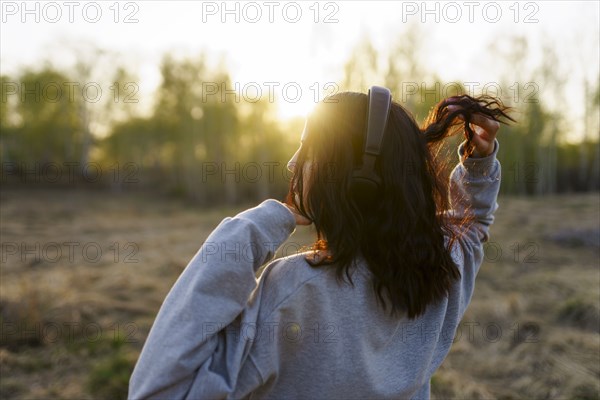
<point x="73" y="326"/>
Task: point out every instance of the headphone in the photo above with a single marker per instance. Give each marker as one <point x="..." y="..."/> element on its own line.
<point x="365" y="182"/>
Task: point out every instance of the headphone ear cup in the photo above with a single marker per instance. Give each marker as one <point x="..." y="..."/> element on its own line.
<point x="364" y="192"/>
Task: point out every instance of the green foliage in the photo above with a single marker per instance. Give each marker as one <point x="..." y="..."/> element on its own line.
<point x="204" y="142"/>
<point x="40" y="122"/>
<point x="198" y="142"/>
<point x="109" y="378"/>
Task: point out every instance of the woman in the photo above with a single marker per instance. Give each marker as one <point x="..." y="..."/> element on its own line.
<point x="371" y="310"/>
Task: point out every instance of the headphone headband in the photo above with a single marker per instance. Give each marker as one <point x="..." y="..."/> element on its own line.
<point x="365" y="180"/>
<point x="380" y="102"/>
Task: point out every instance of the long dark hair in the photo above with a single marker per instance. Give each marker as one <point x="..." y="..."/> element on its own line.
<point x="402" y="233"/>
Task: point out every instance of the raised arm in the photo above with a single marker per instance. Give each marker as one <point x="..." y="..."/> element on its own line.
<point x="474" y="187"/>
<point x="210" y="294"/>
<point x="475" y="182"/>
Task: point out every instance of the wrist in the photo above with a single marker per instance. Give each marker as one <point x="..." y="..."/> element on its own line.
<point x="477" y="154"/>
<point x="476" y="158"/>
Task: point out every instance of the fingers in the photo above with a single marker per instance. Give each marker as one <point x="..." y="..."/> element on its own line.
<point x="485" y="130"/>
<point x="483" y="140"/>
<point x="300" y="219"/>
<point x="481" y="132"/>
<point x="488" y="124"/>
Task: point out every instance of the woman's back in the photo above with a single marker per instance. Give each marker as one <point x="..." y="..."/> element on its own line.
<point x="302" y="334"/>
<point x="330" y="343"/>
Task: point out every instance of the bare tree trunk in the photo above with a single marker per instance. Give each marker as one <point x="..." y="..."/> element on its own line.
<point x="594" y="182"/>
<point x="552" y="161"/>
<point x="583" y="161"/>
<point x="84" y="72"/>
<point x="231" y="185"/>
<point x="263" y="155"/>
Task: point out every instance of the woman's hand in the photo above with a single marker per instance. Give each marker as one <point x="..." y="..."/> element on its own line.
<point x="485" y="132"/>
<point x="300" y="219"/>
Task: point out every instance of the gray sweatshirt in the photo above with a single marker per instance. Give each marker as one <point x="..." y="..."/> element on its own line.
<point x="295" y="332"/>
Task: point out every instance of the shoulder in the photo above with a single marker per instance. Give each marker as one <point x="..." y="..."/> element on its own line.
<point x="287" y="278"/>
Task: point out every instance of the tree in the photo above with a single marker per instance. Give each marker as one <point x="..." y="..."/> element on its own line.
<point x="51" y="124"/>
<point x="361" y="69"/>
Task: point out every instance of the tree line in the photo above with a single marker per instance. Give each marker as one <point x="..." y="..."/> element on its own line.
<point x="84" y="127"/>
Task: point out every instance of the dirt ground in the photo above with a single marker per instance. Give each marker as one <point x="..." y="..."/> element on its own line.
<point x="84" y="273"/>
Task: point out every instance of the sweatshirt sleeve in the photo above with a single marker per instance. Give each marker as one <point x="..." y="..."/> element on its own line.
<point x="474" y="187"/>
<point x="188" y="336"/>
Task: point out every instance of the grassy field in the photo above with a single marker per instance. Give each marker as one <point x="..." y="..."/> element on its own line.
<point x="84" y="273"/>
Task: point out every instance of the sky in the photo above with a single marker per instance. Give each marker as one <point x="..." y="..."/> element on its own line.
<point x="296" y="50"/>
